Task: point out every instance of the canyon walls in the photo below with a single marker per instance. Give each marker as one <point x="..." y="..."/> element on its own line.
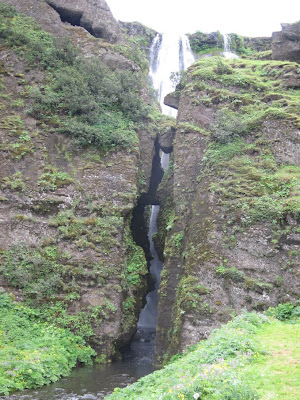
<point x="232" y="234"/>
<point x="73" y="163"/>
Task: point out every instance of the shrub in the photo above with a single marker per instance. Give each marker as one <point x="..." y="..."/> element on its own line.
<point x="284" y="311"/>
<point x="229" y="125"/>
<point x="33" y="353"/>
<point x="38" y="273"/>
<point x="87" y="100"/>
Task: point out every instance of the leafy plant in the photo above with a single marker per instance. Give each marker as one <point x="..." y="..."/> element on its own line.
<point x="14" y="182"/>
<point x="284" y="312"/>
<point x="36" y="272"/>
<point x="33" y="353"/>
<point x="52" y="179"/>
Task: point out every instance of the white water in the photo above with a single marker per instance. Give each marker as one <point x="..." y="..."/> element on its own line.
<point x="148" y="315"/>
<point x="169" y="53"/>
<point x="227" y="53"/>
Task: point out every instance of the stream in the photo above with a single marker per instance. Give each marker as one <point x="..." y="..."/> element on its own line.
<point x="96" y="381"/>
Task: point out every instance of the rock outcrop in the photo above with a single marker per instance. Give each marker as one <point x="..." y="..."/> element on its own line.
<point x="231" y="240"/>
<point x="286" y="44"/>
<point x="94" y="16"/>
<point x="75" y="202"/>
<point x="210" y="43"/>
<point x="139" y="32"/>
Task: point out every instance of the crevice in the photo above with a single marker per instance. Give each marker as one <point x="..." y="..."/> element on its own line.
<point x="75" y="18"/>
<point x="140" y="218"/>
<point x="72" y="17"/>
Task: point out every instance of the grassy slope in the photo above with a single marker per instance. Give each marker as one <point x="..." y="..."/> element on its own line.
<point x="252" y="357"/>
<point x="277" y="375"/>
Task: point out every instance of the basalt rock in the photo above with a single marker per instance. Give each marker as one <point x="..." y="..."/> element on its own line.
<point x="51" y="21"/>
<point x="136" y="29"/>
<point x="95" y="16"/>
<point x="222" y="252"/>
<point x="257" y="43"/>
<point x="97" y="198"/>
<point x="172" y="100"/>
<point x="286" y="44"/>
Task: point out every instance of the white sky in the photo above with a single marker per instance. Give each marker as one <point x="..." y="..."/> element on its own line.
<point x="244" y="17"/>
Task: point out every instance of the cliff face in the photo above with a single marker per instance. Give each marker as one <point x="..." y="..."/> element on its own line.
<point x="286" y="44"/>
<point x="232" y="237"/>
<point x="66" y="208"/>
<point x="212" y="43"/>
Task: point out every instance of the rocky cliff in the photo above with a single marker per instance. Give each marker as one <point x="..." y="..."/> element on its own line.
<point x="80" y="161"/>
<point x="231" y="214"/>
<point x="213" y="43"/>
<point x="67" y="198"/>
<point x="286" y="44"/>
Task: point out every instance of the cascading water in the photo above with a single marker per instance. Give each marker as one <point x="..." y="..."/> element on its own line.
<point x="169" y="53"/>
<point x="227" y="53"/>
<point x="148" y="316"/>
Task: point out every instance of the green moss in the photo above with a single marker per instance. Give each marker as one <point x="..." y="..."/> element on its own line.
<point x="233" y="274"/>
<point x="230" y="272"/>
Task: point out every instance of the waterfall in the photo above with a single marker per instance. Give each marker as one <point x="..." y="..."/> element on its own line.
<point x="227" y="53"/>
<point x="169" y="53"/>
<point x="148" y="315"/>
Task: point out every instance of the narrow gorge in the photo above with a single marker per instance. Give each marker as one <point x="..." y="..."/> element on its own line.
<point x="149" y="192"/>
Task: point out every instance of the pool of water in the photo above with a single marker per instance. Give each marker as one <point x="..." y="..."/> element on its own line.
<point x="94" y="382"/>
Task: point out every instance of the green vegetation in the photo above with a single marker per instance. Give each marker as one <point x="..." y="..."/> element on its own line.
<point x="38" y="273"/>
<point x="52" y="179"/>
<point x="251" y="185"/>
<point x="50" y="283"/>
<point x="33" y="353"/>
<point x="14" y="182"/>
<point x="136" y="263"/>
<point x="212" y="43"/>
<point x="276" y="375"/>
<point x="80" y="97"/>
<point x="203" y="43"/>
<point x="238" y="361"/>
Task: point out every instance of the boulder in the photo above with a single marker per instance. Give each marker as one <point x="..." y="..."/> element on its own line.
<point x="172" y="100"/>
<point x="286" y="44"/>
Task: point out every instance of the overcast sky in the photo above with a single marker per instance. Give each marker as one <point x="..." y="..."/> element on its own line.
<point x="245" y="17"/>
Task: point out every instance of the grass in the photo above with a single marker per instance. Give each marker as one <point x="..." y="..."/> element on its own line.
<point x="251" y="357"/>
<point x="277" y="374"/>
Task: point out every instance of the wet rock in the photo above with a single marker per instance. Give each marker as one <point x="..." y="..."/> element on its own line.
<point x="165" y="140"/>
